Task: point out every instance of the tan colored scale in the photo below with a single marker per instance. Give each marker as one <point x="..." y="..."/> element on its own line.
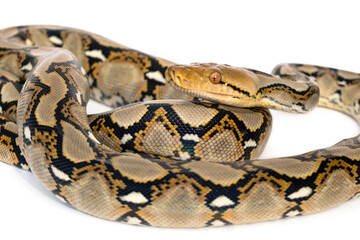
<point x="53" y="138"/>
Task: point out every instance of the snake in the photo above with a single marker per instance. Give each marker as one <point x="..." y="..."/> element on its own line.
<point x="181" y="147"/>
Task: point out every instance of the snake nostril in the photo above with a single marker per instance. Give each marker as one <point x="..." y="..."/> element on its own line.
<point x="173" y="72"/>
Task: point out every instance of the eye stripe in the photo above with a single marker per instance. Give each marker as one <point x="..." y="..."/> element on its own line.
<point x="236" y="88"/>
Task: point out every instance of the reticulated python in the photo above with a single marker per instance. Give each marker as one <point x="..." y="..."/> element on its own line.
<point x="183" y="162"/>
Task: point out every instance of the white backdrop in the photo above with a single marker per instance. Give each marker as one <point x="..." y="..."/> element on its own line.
<point x="254" y="34"/>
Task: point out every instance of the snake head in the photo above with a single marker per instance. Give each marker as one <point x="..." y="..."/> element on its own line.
<point x="215" y="82"/>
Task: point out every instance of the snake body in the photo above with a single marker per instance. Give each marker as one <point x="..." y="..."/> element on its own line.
<point x="207" y="174"/>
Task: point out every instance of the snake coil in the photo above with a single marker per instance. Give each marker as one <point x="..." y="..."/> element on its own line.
<point x="187" y="163"/>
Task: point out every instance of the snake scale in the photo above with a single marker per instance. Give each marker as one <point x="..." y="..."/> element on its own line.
<point x="169" y="163"/>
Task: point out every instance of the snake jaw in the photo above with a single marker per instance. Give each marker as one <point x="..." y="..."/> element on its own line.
<point x="221" y="98"/>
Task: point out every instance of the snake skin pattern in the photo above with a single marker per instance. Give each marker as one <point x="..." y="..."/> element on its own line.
<point x="200" y="180"/>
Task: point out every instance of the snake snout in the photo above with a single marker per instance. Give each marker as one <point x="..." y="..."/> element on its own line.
<point x="177" y="74"/>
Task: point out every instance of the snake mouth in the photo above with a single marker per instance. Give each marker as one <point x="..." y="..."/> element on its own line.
<point x="212" y="96"/>
<point x="220" y="94"/>
<point x="170" y="80"/>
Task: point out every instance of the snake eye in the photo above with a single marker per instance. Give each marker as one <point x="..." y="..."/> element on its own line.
<point x="215" y="77"/>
